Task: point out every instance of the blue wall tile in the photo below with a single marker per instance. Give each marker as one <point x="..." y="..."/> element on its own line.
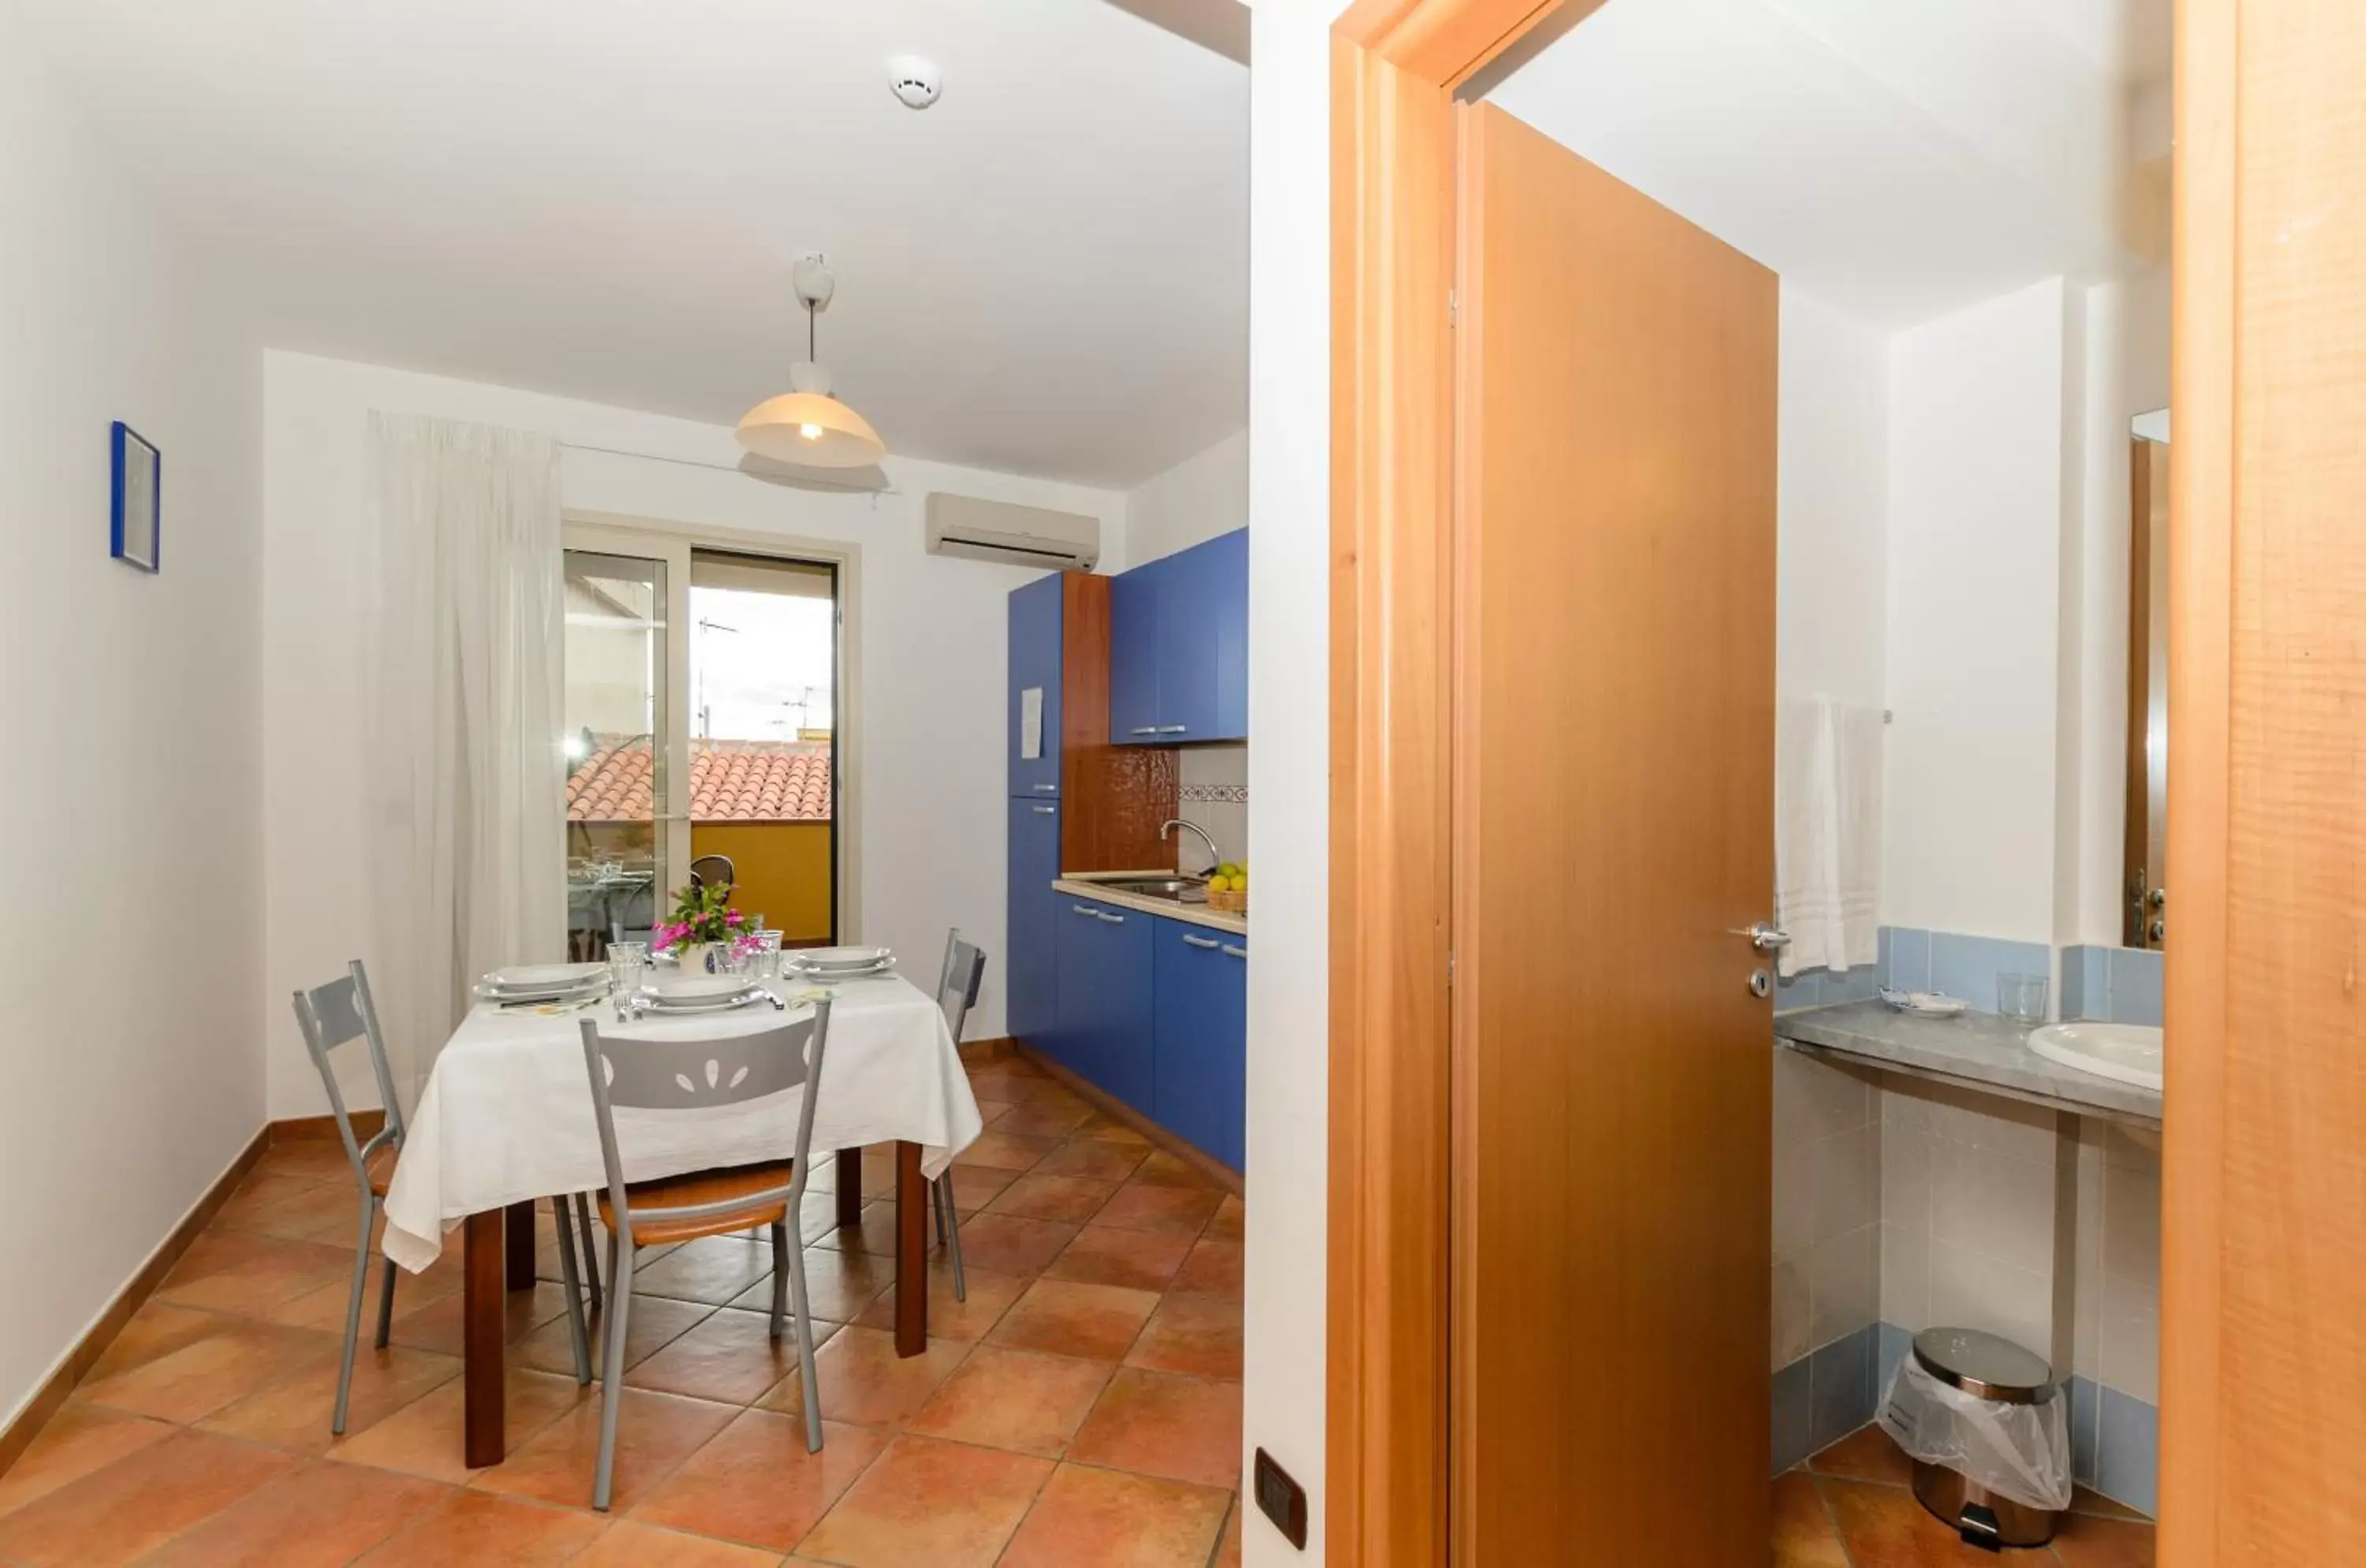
<point x="1859" y="985"/>
<point x="1794" y="1432"/>
<point x="1906" y="958"/>
<point x="1803" y="990"/>
<point x="2085" y="986"/>
<point x="1841" y="1387"/>
<point x="1890" y="1345"/>
<point x="2135" y="984"/>
<point x="2086" y="1411"/>
<point x="1967" y="966"/>
<point x="2127" y="1451"/>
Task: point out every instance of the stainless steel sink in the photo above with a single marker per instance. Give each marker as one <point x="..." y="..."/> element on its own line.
<point x="1181" y="890"/>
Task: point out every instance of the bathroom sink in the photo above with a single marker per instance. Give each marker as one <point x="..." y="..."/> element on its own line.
<point x="2125" y="1053"/>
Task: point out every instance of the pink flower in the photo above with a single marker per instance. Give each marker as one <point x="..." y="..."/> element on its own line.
<point x="732" y="918"/>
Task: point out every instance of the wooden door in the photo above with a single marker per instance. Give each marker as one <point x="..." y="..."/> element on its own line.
<point x="1613" y="831"/>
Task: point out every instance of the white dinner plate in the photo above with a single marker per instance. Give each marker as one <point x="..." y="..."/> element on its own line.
<point x="528" y="997"/>
<point x="858" y="972"/>
<point x="663" y="1001"/>
<point x="688" y="988"/>
<point x="841" y="957"/>
<point x="545" y="976"/>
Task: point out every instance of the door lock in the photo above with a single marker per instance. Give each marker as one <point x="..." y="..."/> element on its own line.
<point x="1761" y="984"/>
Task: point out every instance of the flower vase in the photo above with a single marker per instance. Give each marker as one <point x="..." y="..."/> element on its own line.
<point x="694" y="955"/>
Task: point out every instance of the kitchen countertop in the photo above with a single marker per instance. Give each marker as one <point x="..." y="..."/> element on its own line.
<point x="1977" y="1049"/>
<point x="1093" y="885"/>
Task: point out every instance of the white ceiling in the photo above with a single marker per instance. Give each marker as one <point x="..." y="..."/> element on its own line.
<point x="1046" y="273"/>
<point x="1896" y="161"/>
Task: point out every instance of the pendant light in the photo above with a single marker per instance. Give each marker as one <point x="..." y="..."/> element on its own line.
<point x="807" y="426"/>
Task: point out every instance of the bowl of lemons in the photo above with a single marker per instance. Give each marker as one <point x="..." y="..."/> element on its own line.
<point x="1228" y="889"/>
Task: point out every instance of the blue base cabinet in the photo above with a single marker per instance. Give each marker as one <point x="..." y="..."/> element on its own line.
<point x="1105" y="1011"/>
<point x="1199" y="1043"/>
<point x="1032" y="918"/>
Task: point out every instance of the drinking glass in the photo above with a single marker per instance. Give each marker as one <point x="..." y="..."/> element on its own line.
<point x="2021" y="998"/>
<point x="767" y="954"/>
<point x="628" y="962"/>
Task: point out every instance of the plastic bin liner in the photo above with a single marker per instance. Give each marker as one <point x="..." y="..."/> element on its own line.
<point x="2021" y="1451"/>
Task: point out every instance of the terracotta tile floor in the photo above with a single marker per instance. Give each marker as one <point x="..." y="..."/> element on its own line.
<point x="1083" y="1407"/>
<point x="1850" y="1508"/>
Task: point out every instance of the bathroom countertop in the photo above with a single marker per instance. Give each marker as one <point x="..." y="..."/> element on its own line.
<point x="1977" y="1049"/>
<point x="1090" y="885"/>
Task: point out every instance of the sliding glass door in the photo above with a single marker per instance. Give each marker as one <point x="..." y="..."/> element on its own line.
<point x="702" y="714"/>
<point x="627" y="815"/>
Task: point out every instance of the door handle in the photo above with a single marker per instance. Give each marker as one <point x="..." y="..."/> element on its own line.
<point x="1047" y="789"/>
<point x="1766" y="936"/>
<point x="1107" y="919"/>
<point x="1232" y="952"/>
<point x="1084" y="910"/>
<point x="1205" y="941"/>
<point x="1047" y="811"/>
<point x="1174" y="730"/>
<point x="1144" y="729"/>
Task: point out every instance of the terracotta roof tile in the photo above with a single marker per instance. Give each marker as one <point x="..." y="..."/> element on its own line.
<point x="730" y="780"/>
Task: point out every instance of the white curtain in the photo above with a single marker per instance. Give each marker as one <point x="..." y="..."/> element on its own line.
<point x="464" y="696"/>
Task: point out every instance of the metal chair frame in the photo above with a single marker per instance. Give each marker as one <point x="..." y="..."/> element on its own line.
<point x="686" y="1076"/>
<point x="958" y="981"/>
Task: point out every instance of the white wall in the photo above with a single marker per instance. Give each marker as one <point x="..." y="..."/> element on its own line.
<point x="926" y="739"/>
<point x="1976" y="529"/>
<point x="131" y="718"/>
<point x="1202" y="496"/>
<point x="1831" y="504"/>
<point x="1290" y="503"/>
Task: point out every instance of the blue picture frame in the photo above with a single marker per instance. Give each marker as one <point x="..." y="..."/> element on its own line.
<point x="135" y="514"/>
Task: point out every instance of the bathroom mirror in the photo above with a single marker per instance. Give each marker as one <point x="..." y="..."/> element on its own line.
<point x="2143" y="894"/>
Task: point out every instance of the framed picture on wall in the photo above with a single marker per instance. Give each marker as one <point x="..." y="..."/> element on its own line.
<point x="138" y="489"/>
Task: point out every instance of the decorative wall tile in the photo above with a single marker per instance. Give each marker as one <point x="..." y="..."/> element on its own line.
<point x="2127" y="1451"/>
<point x="1839" y="1392"/>
<point x="2137" y="978"/>
<point x="1905" y="964"/>
<point x="1795" y="1423"/>
<point x="1967" y="966"/>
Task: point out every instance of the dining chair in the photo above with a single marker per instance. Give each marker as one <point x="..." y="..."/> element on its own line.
<point x="707" y="870"/>
<point x="957" y="985"/>
<point x="332" y="1016"/>
<point x="694" y="1078"/>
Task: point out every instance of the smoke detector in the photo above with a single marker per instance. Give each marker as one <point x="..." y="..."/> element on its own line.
<point x="917" y="82"/>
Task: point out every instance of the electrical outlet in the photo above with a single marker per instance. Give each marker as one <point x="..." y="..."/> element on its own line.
<point x="1282" y="1499"/>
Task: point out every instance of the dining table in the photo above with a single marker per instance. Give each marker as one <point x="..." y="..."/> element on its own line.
<point x="506" y="1118"/>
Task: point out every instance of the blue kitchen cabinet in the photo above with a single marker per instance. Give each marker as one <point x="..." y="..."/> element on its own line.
<point x="1035" y="615"/>
<point x="1179" y="646"/>
<point x="1105" y="981"/>
<point x="1134" y="654"/>
<point x="1199" y="1038"/>
<point x="1032" y="974"/>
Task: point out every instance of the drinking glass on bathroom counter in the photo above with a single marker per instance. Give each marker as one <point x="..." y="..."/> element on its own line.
<point x="2021" y="998"/>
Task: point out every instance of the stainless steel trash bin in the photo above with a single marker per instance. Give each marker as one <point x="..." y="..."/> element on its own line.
<point x="1986" y="1367"/>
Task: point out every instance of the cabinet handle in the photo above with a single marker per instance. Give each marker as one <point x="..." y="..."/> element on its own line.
<point x="1173" y="729"/>
<point x="1047" y="811"/>
<point x="1206" y="941"/>
<point x="1107" y="918"/>
<point x="1144" y="729"/>
<point x="1047" y="789"/>
<point x="1084" y="910"/>
<point x="1232" y="952"/>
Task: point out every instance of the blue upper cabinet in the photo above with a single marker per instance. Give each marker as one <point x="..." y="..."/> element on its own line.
<point x="1134" y="654"/>
<point x="1179" y="646"/>
<point x="1035" y="666"/>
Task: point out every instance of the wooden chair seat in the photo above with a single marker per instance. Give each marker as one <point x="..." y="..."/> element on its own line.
<point x="649" y="1200"/>
<point x="380" y="1166"/>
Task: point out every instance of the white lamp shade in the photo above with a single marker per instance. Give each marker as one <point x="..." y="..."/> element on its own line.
<point x="811" y="430"/>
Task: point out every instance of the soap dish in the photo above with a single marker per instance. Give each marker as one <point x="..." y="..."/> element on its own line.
<point x="1924" y="1004"/>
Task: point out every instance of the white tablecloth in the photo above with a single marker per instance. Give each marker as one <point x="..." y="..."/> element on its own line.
<point x="507" y="1116"/>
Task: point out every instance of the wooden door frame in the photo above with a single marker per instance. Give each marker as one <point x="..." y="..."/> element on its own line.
<point x="1395" y="67"/>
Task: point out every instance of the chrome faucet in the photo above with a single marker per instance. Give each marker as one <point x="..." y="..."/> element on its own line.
<point x="1215" y="855"/>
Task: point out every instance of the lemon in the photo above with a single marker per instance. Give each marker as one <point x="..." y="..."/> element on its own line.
<point x="1240" y="882"/>
<point x="1228" y="869"/>
<point x="1219" y="885"/>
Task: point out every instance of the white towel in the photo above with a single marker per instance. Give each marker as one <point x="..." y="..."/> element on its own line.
<point x="1827" y="833"/>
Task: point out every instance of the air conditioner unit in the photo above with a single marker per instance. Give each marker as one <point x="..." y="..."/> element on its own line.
<point x="1016" y="536"/>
